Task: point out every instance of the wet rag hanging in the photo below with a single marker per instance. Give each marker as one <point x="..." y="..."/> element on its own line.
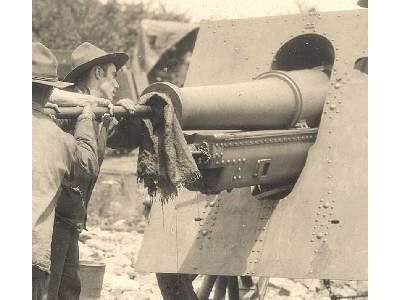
<point x="165" y="162"/>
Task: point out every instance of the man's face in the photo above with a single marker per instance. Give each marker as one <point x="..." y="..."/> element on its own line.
<point x="108" y="82"/>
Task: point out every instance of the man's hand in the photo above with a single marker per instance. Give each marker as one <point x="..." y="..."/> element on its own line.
<point x="128" y="104"/>
<point x="88" y="110"/>
<point x="53" y="106"/>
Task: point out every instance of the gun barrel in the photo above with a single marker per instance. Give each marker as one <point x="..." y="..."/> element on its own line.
<point x="141" y="111"/>
<point x="277" y="100"/>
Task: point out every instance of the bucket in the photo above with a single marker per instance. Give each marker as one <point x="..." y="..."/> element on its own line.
<point x="92" y="274"/>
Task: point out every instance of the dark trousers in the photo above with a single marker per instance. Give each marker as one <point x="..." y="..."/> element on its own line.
<point x="65" y="282"/>
<point x="39" y="283"/>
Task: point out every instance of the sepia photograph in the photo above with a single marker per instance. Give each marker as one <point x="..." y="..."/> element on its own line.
<point x="199" y="150"/>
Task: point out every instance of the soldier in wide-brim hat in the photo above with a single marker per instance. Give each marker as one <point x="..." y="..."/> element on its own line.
<point x="55" y="155"/>
<point x="94" y="72"/>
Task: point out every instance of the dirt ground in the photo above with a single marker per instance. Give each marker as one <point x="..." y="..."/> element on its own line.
<point x="115" y="230"/>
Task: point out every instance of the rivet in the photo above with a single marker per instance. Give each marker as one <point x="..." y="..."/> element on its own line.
<point x="337" y="85"/>
<point x="333" y="106"/>
<point x="204" y="232"/>
<point x="214" y="218"/>
<point x="222" y="162"/>
<point x="326" y="204"/>
<point x="337" y="111"/>
<point x="255" y="175"/>
<point x="313" y="233"/>
<point x="221" y="153"/>
<point x="212" y="204"/>
<point x="318" y="213"/>
<point x="312" y="240"/>
<point x="332" y="207"/>
<point x="244" y="159"/>
<point x="239" y="160"/>
<point x="325" y="240"/>
<point x="316" y="220"/>
<point x="326" y="233"/>
<point x="239" y="168"/>
<point x="321" y="200"/>
<point x="234" y="177"/>
<point x="239" y="177"/>
<point x="319" y="236"/>
<point x="329" y="192"/>
<point x="329" y="176"/>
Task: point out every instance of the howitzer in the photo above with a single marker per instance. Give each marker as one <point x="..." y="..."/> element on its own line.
<point x="271" y="155"/>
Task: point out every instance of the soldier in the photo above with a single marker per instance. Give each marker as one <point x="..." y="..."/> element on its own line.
<point x="94" y="72"/>
<point x="64" y="156"/>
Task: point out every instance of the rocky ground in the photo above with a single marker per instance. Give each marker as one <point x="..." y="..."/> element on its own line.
<point x="115" y="231"/>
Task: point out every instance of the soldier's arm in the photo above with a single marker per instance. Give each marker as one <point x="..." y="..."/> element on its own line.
<point x="83" y="148"/>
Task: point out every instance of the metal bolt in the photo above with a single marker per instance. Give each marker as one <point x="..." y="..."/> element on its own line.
<point x="244" y="159"/>
<point x="234" y="177"/>
<point x="204" y="232"/>
<point x="222" y="162"/>
<point x="239" y="177"/>
<point x="326" y="204"/>
<point x="333" y="106"/>
<point x="212" y="204"/>
<point x="319" y="236"/>
<point x="337" y="85"/>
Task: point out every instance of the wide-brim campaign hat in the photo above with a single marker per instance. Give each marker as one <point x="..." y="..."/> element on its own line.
<point x="86" y="56"/>
<point x="44" y="67"/>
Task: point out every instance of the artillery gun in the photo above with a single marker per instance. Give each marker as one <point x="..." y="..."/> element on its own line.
<point x="276" y="115"/>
